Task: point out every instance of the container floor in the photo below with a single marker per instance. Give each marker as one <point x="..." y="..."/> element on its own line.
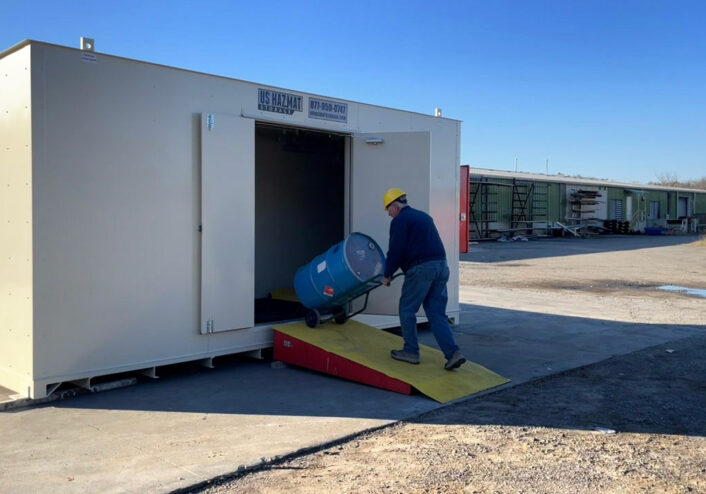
<point x="272" y="310"/>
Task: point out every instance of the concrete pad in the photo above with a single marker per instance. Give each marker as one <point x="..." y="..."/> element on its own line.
<point x="6" y="394"/>
<point x="181" y="430"/>
<point x="523" y="345"/>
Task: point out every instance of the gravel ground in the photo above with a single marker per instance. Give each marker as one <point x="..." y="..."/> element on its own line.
<point x="611" y="278"/>
<point x="551" y="435"/>
<point x="633" y="423"/>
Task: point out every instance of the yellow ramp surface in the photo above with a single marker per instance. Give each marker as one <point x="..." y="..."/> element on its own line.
<point x="371" y="347"/>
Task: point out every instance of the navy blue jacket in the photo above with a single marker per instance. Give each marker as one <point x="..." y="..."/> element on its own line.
<point x="413" y="240"/>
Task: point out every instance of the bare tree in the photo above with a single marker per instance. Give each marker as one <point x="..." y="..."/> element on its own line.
<point x="671" y="179"/>
<point x="667" y="178"/>
<point x="700" y="183"/>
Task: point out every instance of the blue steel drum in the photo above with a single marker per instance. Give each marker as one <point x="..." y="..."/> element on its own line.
<point x="339" y="275"/>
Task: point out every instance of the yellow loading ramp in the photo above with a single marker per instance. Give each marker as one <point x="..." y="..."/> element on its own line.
<point x="361" y="353"/>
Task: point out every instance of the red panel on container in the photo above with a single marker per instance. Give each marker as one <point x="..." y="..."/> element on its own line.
<point x="297" y="352"/>
<point x="463" y="219"/>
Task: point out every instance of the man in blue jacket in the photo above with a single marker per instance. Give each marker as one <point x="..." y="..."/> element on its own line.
<point x="416" y="247"/>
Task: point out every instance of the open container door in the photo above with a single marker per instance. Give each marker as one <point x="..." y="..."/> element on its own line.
<point x="378" y="162"/>
<point x="228" y="222"/>
<point x="463" y="209"/>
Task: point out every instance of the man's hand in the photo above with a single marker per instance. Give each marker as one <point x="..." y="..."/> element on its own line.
<point x="385" y="281"/>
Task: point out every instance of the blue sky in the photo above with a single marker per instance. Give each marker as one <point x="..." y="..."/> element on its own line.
<point x="607" y="89"/>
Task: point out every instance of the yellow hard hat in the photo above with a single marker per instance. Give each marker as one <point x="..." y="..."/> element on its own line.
<point x="391" y="196"/>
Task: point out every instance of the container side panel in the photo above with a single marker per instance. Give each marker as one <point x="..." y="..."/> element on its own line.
<point x="16" y="221"/>
<point x="463" y="210"/>
<point x="117" y="213"/>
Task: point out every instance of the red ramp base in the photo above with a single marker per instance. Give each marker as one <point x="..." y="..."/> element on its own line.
<point x="300" y="353"/>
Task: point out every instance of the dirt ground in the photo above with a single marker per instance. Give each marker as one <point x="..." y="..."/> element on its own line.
<point x="633" y="423"/>
<point x="614" y="279"/>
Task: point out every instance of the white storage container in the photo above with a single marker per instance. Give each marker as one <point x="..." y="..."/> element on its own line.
<point x="145" y="209"/>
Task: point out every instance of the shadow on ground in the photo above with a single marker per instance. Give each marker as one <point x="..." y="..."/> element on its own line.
<point x="493" y="251"/>
<point x="659" y="390"/>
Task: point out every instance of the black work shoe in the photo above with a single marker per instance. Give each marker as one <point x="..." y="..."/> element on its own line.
<point x="455" y="361"/>
<point x="410" y="358"/>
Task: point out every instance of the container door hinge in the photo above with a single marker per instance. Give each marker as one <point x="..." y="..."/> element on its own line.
<point x="210" y="326"/>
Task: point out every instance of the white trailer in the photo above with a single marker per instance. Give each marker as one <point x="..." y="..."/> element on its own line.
<point x="145" y="209"/>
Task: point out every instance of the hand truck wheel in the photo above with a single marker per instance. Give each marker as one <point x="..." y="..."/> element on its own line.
<point x="340" y="315"/>
<point x="312" y="318"/>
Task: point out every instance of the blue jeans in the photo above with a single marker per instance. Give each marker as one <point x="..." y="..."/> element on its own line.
<point x="426" y="284"/>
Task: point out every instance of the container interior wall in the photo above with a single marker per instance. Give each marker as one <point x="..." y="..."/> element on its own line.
<point x="299" y="201"/>
<point x="16" y="284"/>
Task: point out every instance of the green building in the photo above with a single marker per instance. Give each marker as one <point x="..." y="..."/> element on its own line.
<point x="503" y="203"/>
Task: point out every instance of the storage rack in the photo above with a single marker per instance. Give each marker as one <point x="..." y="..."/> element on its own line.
<point x="529" y="208"/>
<point x="582" y="214"/>
<point x="484" y="194"/>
